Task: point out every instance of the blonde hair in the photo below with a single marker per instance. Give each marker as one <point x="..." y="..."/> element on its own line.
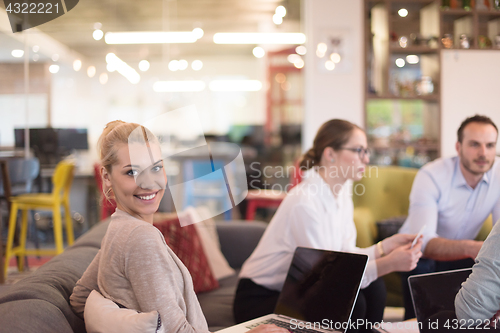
<point x="119" y="132"/>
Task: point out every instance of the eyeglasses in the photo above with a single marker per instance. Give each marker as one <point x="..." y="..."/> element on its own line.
<point x="362" y="152"/>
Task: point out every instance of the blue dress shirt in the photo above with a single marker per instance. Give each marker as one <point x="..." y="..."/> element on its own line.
<point x="442" y="200"/>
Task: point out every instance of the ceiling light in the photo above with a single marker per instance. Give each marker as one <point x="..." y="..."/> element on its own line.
<point x="54" y="69"/>
<point x="97" y="34"/>
<point x="173" y="65"/>
<point x="91" y="71"/>
<point x="286" y="86"/>
<point x="36" y="48"/>
<point x="36" y="57"/>
<point x="280" y="77"/>
<point x="403" y="41"/>
<point x="151" y="37"/>
<point x="97" y="25"/>
<point x="183" y="64"/>
<point x="403" y="12"/>
<point x="277" y="19"/>
<point x="335" y="57"/>
<point x="235" y="85"/>
<point x="103" y="78"/>
<point x="293" y="58"/>
<point x="281" y="11"/>
<point x="77" y="64"/>
<point x="322" y="47"/>
<point x="299" y="64"/>
<point x="258" y="52"/>
<point x="197" y="65"/>
<point x="412" y="59"/>
<point x="110" y="68"/>
<point x="400" y="62"/>
<point x="144" y="65"/>
<point x="259" y="38"/>
<point x="179" y="86"/>
<point x="17" y="53"/>
<point x="330" y="65"/>
<point x="301" y="49"/>
<point x="123" y="68"/>
<point x="198" y="32"/>
<point x="55" y="57"/>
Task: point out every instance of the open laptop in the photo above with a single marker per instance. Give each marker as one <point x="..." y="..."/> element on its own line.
<point x="435" y="292"/>
<point x="321" y="288"/>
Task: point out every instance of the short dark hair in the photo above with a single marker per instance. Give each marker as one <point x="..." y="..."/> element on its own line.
<point x="475" y="119"/>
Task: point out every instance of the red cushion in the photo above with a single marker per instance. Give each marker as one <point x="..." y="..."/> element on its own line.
<point x="186" y="244"/>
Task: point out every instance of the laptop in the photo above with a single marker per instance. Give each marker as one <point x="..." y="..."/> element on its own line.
<point x="319" y="292"/>
<point x="435" y="292"/>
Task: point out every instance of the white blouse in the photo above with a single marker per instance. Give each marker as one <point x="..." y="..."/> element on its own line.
<point x="309" y="216"/>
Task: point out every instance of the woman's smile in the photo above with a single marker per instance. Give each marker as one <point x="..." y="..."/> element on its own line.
<point x="146" y="196"/>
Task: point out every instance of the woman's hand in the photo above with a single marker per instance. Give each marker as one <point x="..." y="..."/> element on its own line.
<point x="391" y="243"/>
<point x="405" y="258"/>
<point x="269" y="328"/>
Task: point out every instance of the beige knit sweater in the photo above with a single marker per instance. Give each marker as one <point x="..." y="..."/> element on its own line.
<point x="136" y="269"/>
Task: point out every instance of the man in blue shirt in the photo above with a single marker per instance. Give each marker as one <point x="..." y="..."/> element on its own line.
<point x="452" y="197"/>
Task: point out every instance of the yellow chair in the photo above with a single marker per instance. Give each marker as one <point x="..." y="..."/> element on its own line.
<point x="384" y="193"/>
<point x="61" y="182"/>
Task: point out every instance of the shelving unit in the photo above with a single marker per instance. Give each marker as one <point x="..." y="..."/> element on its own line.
<point x="284" y="114"/>
<point x="403" y="61"/>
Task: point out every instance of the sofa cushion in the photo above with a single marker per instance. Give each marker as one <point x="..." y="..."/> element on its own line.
<point x="217" y="305"/>
<point x="186" y="244"/>
<point x="104" y="315"/>
<point x="211" y="247"/>
<point x="33" y="316"/>
<point x="94" y="236"/>
<point x="238" y="239"/>
<point x="54" y="282"/>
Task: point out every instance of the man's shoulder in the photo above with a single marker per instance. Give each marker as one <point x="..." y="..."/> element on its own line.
<point x="439" y="172"/>
<point x="440" y="167"/>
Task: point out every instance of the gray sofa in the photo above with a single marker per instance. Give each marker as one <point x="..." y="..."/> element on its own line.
<point x="39" y="303"/>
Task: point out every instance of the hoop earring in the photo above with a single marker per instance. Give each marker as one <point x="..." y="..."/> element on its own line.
<point x="106" y="194"/>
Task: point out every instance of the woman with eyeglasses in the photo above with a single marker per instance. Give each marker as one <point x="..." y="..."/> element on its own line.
<point x="318" y="213"/>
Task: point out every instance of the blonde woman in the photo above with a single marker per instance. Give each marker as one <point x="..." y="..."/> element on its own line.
<point x="134" y="267"/>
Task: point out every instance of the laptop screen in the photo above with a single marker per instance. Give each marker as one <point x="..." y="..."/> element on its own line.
<point x="435" y="292"/>
<point x="321" y="285"/>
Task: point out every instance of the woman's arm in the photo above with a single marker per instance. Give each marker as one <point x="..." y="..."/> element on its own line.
<point x="162" y="283"/>
<point x="84" y="287"/>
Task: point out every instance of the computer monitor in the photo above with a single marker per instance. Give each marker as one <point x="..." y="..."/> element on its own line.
<point x="66" y="138"/>
<point x="44" y="139"/>
<point x="72" y="138"/>
<point x="19" y="137"/>
<point x="51" y="144"/>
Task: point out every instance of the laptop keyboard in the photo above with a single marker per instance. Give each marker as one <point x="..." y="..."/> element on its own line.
<point x="284" y="325"/>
